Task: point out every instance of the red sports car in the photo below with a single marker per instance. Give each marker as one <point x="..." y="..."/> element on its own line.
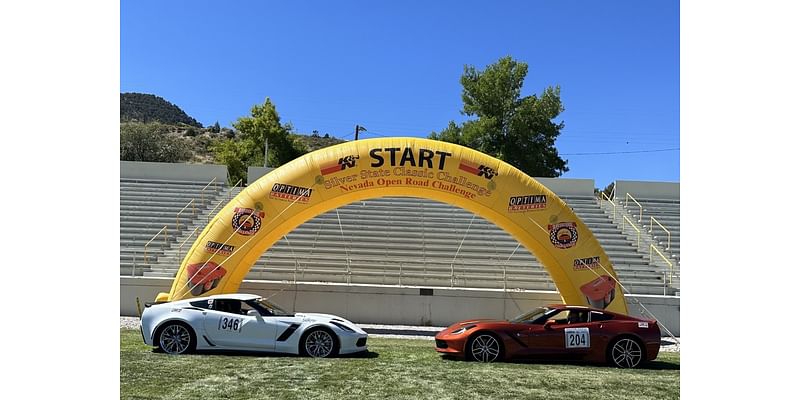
<point x="556" y="332"/>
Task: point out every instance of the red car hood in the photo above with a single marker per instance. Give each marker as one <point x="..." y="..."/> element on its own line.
<point x="476" y="321"/>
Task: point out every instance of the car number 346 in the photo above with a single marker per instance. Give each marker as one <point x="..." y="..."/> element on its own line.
<point x="576" y="338"/>
<point x="230" y="324"/>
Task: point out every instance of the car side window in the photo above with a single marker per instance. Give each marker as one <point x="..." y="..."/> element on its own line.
<point x="204" y="304"/>
<point x="596" y="316"/>
<point x="228" y="306"/>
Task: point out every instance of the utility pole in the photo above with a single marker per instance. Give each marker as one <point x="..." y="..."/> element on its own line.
<point x="359" y="129"/>
<point x="266" y="147"/>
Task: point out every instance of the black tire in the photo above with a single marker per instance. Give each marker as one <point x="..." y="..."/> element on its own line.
<point x="484" y="347"/>
<point x="319" y="343"/>
<point x="626" y="352"/>
<point x="175" y="338"/>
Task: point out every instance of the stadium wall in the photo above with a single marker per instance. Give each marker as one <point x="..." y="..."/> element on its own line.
<point x="398" y="305"/>
<point x="173" y="171"/>
<point x="648" y="190"/>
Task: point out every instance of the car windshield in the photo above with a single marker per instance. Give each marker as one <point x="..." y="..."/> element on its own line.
<point x="268" y="308"/>
<point x="530" y="316"/>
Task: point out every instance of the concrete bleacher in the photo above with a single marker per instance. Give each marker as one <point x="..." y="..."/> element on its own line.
<point x="150" y="200"/>
<point x="386" y="241"/>
<point x="651" y="204"/>
<point x="420" y="242"/>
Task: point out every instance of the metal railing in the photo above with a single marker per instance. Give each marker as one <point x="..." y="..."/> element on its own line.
<point x="180" y="247"/>
<point x="211" y="213"/>
<point x="669" y="235"/>
<point x="230" y="194"/>
<point x="166" y="237"/>
<point x="671" y="271"/>
<point x="641" y="209"/>
<point x="178" y="216"/>
<point x="613" y="204"/>
<point x="638" y="232"/>
<point x="203" y="191"/>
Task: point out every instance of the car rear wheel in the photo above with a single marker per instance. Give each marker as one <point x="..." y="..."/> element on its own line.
<point x="176" y="338"/>
<point x="626" y="353"/>
<point x="319" y="343"/>
<point x="484" y="348"/>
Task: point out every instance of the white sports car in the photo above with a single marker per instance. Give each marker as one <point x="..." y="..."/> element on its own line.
<point x="246" y="322"/>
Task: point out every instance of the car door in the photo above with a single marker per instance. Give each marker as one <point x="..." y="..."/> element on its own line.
<point x="239" y="330"/>
<point x="563" y="338"/>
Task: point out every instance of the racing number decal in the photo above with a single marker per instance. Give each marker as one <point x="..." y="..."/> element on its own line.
<point x="229" y="324"/>
<point x="576" y="338"/>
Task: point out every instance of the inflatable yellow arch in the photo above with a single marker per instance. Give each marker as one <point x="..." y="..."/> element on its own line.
<point x="335" y="176"/>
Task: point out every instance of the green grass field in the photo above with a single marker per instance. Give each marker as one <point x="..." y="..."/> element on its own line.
<point x="393" y="368"/>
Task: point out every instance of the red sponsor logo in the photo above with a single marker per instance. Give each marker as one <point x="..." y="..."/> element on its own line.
<point x="476" y="169"/>
<point x="342" y="164"/>
<point x="204" y="276"/>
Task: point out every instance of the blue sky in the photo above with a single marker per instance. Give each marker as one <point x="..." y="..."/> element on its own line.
<point x="395" y="67"/>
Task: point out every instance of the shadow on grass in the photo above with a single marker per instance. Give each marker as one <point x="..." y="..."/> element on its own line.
<point x="651" y="365"/>
<point x="265" y="354"/>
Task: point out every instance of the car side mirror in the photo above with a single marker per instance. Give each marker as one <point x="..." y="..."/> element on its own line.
<point x="549" y="324"/>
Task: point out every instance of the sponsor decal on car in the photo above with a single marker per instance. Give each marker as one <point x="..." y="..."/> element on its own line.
<point x="340" y="165"/>
<point x="644" y="325"/>
<point x="563" y="235"/>
<point x="247" y="221"/>
<point x="586" y="263"/>
<point x="527" y="203"/>
<point x="290" y="193"/>
<point x="219" y="248"/>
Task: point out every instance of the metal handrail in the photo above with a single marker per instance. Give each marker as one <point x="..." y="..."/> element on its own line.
<point x="203" y="191"/>
<point x="210" y="213"/>
<point x="180" y="248"/>
<point x="178" y="216"/>
<point x="234" y="185"/>
<point x="638" y="232"/>
<point x="671" y="272"/>
<point x="614" y="216"/>
<point x="164" y="229"/>
<point x="641" y="209"/>
<point x="669" y="236"/>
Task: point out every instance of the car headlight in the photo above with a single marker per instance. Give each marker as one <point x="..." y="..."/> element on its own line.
<point x="462" y="329"/>
<point x="342" y="326"/>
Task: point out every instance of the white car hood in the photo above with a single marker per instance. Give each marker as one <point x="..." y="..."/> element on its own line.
<point x="327" y="318"/>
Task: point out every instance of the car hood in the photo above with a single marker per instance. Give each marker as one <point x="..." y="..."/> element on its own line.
<point x="329" y="318"/>
<point x="474" y="322"/>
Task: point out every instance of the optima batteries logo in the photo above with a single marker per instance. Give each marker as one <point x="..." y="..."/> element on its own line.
<point x="527" y="203"/>
<point x="219" y="248"/>
<point x="586" y="263"/>
<point x="247" y="221"/>
<point x="290" y="193"/>
<point x="563" y="235"/>
<point x="479" y="170"/>
<point x="342" y="164"/>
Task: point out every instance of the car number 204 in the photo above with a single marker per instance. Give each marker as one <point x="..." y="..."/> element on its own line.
<point x="576" y="338"/>
<point x="229" y="324"/>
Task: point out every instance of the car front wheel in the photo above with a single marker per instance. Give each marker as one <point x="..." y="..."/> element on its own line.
<point x="176" y="338"/>
<point x="319" y="343"/>
<point x="484" y="348"/>
<point x="626" y="353"/>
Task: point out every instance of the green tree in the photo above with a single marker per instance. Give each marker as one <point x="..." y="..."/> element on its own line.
<point x="150" y="142"/>
<point x="247" y="149"/>
<point x="517" y="130"/>
<point x="215" y="128"/>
